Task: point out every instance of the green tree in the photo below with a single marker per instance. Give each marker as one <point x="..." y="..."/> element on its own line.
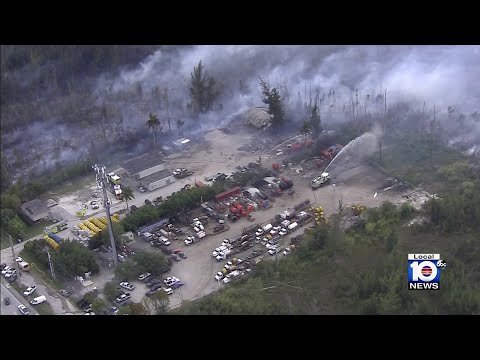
<point x="127" y="194"/>
<point x="128" y="270"/>
<point x="125" y="310"/>
<point x="153" y="124"/>
<point x="73" y="259"/>
<point x="204" y="91"/>
<point x="98" y="306"/>
<point x="10" y="201"/>
<point x="138" y="309"/>
<point x="271" y="97"/>
<point x="160" y="302"/>
<point x="152" y="262"/>
<point x="110" y="290"/>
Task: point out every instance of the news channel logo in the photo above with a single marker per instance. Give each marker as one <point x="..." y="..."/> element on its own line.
<point x="424" y="271"/>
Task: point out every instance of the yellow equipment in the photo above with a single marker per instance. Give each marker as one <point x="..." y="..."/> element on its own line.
<point x="51" y="242"/>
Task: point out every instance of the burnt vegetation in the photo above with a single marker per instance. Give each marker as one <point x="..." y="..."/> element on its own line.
<point x="51" y="102"/>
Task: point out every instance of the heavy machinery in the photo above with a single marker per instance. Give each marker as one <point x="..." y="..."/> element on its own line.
<point x="322" y="179"/>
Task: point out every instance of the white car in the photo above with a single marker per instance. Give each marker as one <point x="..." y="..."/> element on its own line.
<point x="283" y="232"/>
<point x="228" y="265"/>
<point x="142" y="277"/>
<point x="6" y="269"/>
<point x="29" y="290"/>
<point x="165" y="241"/>
<point x="169" y="291"/>
<point x="226" y="279"/>
<point x="219" y="276"/>
<point x="259" y="232"/>
<point x="127" y="285"/>
<point x="279" y="152"/>
<point x="189" y="240"/>
<point x="270" y="246"/>
<point x="18" y="259"/>
<point x="273" y="232"/>
<point x="226" y="242"/>
<point x="169" y="281"/>
<point x="23" y="309"/>
<point x="10" y="273"/>
<point x="123" y="297"/>
<point x="94" y="205"/>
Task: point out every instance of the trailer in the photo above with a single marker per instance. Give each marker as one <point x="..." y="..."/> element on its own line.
<point x="229" y="193"/>
<point x="55" y="237"/>
<point x="57" y="227"/>
<point x="220" y="228"/>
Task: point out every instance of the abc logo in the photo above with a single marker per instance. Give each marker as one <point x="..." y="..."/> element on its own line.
<point x="424" y="271"/>
<point x="441" y="264"/>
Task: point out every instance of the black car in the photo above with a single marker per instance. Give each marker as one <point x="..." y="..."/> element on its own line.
<point x="153" y="282"/>
<point x="148" y="278"/>
<point x="3" y="266"/>
<point x="175" y="257"/>
<point x="165" y="270"/>
<point x="6" y="301"/>
<point x="151" y="292"/>
<point x="156" y="287"/>
<point x="182" y="255"/>
<point x="166" y="251"/>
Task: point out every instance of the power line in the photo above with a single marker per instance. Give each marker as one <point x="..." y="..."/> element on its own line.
<point x="102" y="182"/>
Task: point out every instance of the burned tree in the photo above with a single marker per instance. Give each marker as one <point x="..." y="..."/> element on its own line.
<point x="315" y="122"/>
<point x="271" y="97"/>
<point x="204" y="91"/>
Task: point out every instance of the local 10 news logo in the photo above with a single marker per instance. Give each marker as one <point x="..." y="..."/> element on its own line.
<point x="424" y="271"/>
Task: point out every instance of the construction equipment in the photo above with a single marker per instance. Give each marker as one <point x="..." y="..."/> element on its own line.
<point x="57" y="227"/>
<point x="357" y="209"/>
<point x="322" y="179"/>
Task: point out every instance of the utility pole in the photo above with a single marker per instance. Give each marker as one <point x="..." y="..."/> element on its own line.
<point x="50" y="263"/>
<point x="14" y="259"/>
<point x="102" y="182"/>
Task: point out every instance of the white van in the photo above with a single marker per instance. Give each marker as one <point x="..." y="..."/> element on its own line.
<point x="292" y="226"/>
<point x="267" y="227"/>
<point x="38" y="300"/>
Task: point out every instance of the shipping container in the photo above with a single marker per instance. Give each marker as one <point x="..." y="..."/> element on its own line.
<point x="55" y="237"/>
<point x="228" y="193"/>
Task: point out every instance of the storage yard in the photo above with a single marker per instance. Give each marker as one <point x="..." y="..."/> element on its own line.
<point x="252" y="224"/>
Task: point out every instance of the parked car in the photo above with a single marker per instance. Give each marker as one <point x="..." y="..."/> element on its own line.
<point x="228" y="265"/>
<point x="165" y="241"/>
<point x="18" y="259"/>
<point x="113" y="310"/>
<point x="189" y="240"/>
<point x="176" y="285"/>
<point x="156" y="287"/>
<point x="283" y="232"/>
<point x="219" y="276"/>
<point x="29" y="290"/>
<point x="10" y="273"/>
<point x="169" y="291"/>
<point x="64" y="293"/>
<point x="175" y="257"/>
<point x="142" y="189"/>
<point x="13" y="277"/>
<point x="144" y="276"/>
<point x="3" y="266"/>
<point x="166" y="251"/>
<point x="127" y="285"/>
<point x="182" y="255"/>
<point x="6" y="269"/>
<point x="23" y="309"/>
<point x="151" y="291"/>
<point x="152" y="282"/>
<point x="6" y="301"/>
<point x="123" y="297"/>
<point x="94" y="204"/>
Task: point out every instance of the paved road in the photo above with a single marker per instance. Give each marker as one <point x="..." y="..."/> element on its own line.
<point x="14" y="301"/>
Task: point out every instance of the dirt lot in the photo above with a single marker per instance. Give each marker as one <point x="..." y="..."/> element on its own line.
<point x="352" y="183"/>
